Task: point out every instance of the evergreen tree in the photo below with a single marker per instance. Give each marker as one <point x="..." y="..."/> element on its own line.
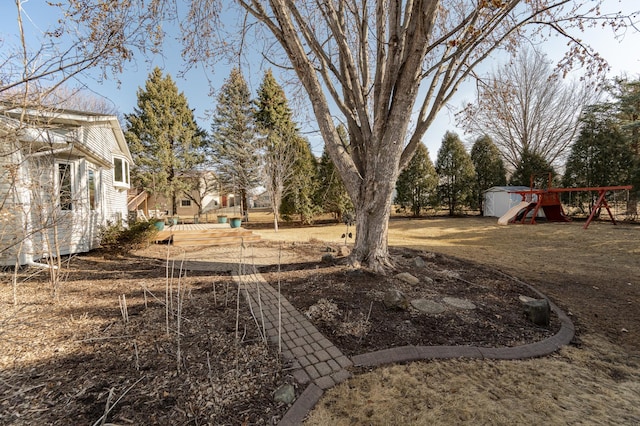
<point x="532" y="165"/>
<point x="331" y="195"/>
<point x="233" y="146"/>
<point x="277" y="130"/>
<point x="455" y="172"/>
<point x="164" y="138"/>
<point x="299" y="199"/>
<point x="489" y="168"/>
<point x="417" y="182"/>
<point x="601" y="156"/>
<point x="627" y="94"/>
<point x="628" y="107"/>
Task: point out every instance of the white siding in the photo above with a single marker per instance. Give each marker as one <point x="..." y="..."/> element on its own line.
<point x="31" y="222"/>
<point x="99" y="139"/>
<point x="14" y="198"/>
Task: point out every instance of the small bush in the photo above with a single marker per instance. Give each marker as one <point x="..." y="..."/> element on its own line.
<point x="118" y="238"/>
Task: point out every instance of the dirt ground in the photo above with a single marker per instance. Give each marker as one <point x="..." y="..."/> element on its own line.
<point x="131" y="340"/>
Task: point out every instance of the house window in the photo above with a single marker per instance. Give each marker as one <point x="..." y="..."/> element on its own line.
<point x="65" y="195"/>
<point x="91" y="184"/>
<point x="185" y="203"/>
<point x="120" y="172"/>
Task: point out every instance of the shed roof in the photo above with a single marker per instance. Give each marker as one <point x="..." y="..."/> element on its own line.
<point x="506" y="189"/>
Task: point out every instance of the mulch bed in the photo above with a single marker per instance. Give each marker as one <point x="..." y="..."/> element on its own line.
<point x="85" y="358"/>
<point x="347" y="304"/>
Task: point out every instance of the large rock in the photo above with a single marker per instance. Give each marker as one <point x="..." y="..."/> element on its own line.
<point x="408" y="278"/>
<point x="427" y="306"/>
<point x="419" y="262"/>
<point x="344" y="251"/>
<point x="328" y="258"/>
<point x="459" y="303"/>
<point x="285" y="393"/>
<point x="395" y="299"/>
<point x="538" y="311"/>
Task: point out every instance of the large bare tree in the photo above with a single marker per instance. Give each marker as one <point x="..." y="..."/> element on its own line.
<point x="97" y="37"/>
<point x="385" y="68"/>
<point x="527" y="108"/>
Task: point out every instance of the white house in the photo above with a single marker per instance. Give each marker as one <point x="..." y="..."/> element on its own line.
<point x="499" y="199"/>
<point x="63" y="174"/>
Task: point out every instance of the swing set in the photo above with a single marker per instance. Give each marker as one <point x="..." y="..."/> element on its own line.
<point x="548" y="200"/>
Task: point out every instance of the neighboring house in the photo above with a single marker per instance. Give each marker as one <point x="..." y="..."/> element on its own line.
<point x="499" y="199"/>
<point x="63" y="175"/>
<point x="202" y="199"/>
<point x="262" y="200"/>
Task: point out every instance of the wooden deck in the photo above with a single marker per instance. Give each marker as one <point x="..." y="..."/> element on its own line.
<point x="190" y="235"/>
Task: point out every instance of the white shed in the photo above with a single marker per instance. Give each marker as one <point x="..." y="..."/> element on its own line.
<point x="499" y="199"/>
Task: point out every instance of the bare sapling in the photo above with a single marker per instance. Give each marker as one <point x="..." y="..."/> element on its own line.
<point x="109" y="407"/>
<point x="179" y="305"/>
<point x="253" y="272"/>
<point x="209" y="368"/>
<point x="14" y="277"/>
<point x="144" y="295"/>
<point x="240" y="284"/>
<point x="122" y="301"/>
<point x="366" y="323"/>
<point x="180" y="297"/>
<point x="166" y="293"/>
<point x="253" y="315"/>
<point x="137" y="361"/>
<point x="238" y="308"/>
<point x="279" y="301"/>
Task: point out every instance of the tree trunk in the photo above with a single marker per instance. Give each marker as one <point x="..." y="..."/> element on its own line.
<point x="371" y="245"/>
<point x="372" y="225"/>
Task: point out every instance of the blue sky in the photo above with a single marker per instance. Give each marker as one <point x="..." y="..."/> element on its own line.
<point x="623" y="56"/>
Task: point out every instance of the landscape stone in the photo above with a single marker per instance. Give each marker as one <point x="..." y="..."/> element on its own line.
<point x="458" y="303"/>
<point x="427" y="306"/>
<point x="328" y="258"/>
<point x="344" y="251"/>
<point x="419" y="262"/>
<point x="538" y="311"/>
<point x="395" y="299"/>
<point x="285" y="393"/>
<point x="408" y="278"/>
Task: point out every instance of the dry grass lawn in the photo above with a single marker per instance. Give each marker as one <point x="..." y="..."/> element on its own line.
<point x="594" y="381"/>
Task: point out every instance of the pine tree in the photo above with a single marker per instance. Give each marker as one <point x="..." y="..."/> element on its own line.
<point x="274" y="123"/>
<point x="299" y="199"/>
<point x="164" y="138"/>
<point x="331" y="195"/>
<point x="627" y="94"/>
<point x="418" y="182"/>
<point x="233" y="148"/>
<point x="601" y="156"/>
<point x="489" y="168"/>
<point x="455" y="172"/>
<point x="532" y="166"/>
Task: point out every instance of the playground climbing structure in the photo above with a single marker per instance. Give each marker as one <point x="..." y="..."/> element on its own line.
<point x="548" y="200"/>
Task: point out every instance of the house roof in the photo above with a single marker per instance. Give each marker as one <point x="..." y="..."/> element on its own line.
<point x="70" y="119"/>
